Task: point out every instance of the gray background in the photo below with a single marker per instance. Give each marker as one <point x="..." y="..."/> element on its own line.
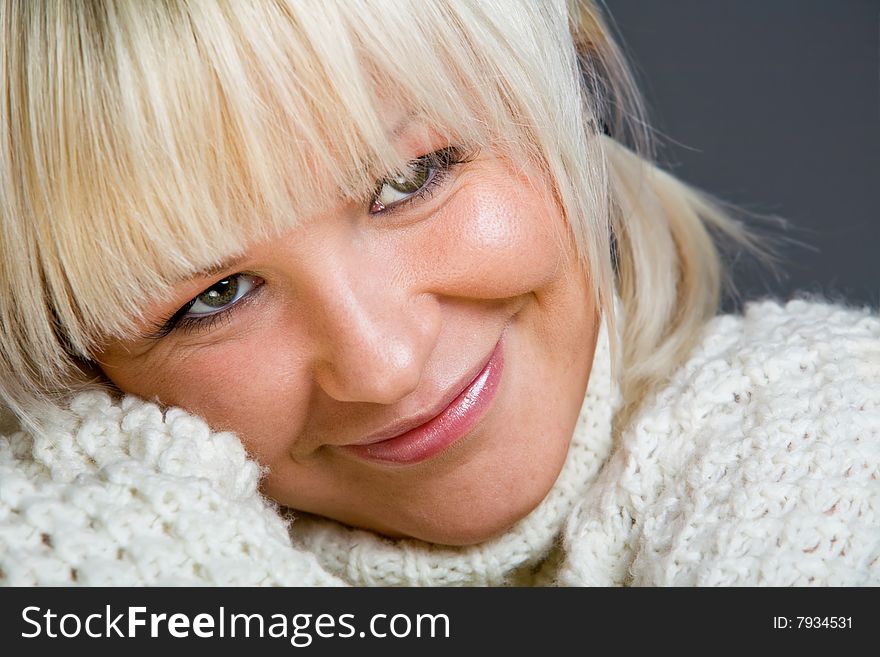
<point x="775" y="106"/>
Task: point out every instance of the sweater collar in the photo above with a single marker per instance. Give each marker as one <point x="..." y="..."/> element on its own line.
<point x="523" y="555"/>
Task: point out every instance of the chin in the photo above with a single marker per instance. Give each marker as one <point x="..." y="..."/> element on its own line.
<point x="478" y="500"/>
<point x="461" y="522"/>
<point x="473" y="533"/>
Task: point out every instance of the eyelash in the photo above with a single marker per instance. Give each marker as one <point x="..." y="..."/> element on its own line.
<point x="441" y="161"/>
<point x="204" y="323"/>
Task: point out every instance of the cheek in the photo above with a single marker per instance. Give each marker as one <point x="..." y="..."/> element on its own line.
<point x="495" y="240"/>
<point x="252" y="387"/>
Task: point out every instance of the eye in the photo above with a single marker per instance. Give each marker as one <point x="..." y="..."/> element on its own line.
<point x="419" y="179"/>
<point x="400" y="188"/>
<point x="221" y="295"/>
<point x="216" y="304"/>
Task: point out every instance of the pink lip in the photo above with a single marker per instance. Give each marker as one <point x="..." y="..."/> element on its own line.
<point x="449" y="425"/>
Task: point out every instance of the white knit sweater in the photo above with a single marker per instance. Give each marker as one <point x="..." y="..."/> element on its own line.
<point x="757" y="463"/>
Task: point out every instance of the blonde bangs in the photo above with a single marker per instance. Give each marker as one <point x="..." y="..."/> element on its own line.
<point x="151" y="140"/>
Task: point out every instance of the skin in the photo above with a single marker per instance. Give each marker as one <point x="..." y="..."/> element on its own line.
<point x="363" y="320"/>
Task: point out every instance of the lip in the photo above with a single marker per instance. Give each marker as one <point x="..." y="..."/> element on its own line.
<point x="421" y="439"/>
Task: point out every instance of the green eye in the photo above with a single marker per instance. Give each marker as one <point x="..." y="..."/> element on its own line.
<point x="411" y="184"/>
<point x="399" y="188"/>
<point x="423" y="174"/>
<point x="222" y="294"/>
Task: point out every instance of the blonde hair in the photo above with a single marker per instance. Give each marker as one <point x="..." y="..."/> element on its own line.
<point x="140" y="142"/>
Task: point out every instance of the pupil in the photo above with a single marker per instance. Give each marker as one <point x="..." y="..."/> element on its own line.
<point x="221" y="293"/>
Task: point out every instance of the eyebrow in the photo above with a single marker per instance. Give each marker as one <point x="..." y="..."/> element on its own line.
<point x="403" y="124"/>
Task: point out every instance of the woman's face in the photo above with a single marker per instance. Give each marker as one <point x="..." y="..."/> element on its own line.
<point x="413" y="365"/>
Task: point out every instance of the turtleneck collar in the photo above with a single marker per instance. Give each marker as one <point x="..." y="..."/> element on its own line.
<point x="525" y="554"/>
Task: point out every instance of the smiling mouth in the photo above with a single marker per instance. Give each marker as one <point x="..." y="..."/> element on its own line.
<point x="421" y="439"/>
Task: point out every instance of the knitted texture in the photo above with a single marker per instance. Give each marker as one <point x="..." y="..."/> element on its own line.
<point x="758" y="462"/>
<point x="122" y="494"/>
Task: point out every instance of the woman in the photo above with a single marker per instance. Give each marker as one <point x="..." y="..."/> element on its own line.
<point x="432" y="312"/>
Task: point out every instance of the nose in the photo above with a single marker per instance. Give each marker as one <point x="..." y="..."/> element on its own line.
<point x="374" y="333"/>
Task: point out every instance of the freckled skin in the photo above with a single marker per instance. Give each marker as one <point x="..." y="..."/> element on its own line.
<point x="363" y="320"/>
